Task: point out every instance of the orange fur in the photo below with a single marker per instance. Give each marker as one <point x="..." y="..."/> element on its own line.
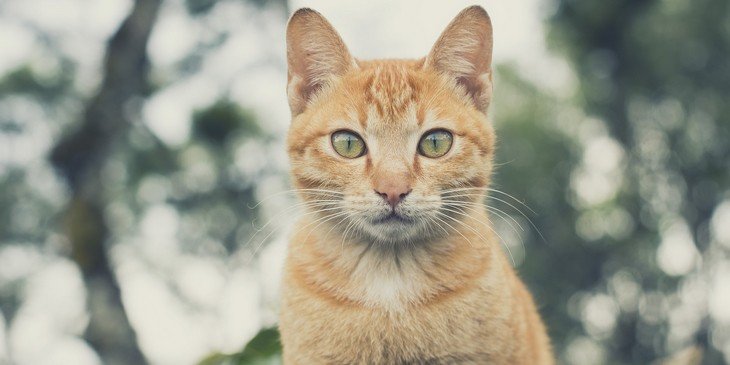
<point x="436" y="288"/>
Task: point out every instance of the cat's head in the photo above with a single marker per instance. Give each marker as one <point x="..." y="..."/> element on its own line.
<point x="384" y="148"/>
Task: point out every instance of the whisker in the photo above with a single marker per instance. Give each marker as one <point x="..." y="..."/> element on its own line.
<point x="345" y="233"/>
<point x="334" y="226"/>
<point x="513" y="198"/>
<point x="504" y="243"/>
<point x="542" y="237"/>
<point x="290" y="191"/>
<point x="294" y="206"/>
<point x="500" y="213"/>
<point x="452" y="227"/>
<point x="527" y="218"/>
<point x="440" y="226"/>
<point x="261" y="243"/>
<point x="289" y="209"/>
<point x="494" y="210"/>
<point x="486" y="189"/>
<point x="522" y="244"/>
<point x="322" y="221"/>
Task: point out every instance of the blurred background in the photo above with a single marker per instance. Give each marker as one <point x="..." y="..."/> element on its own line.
<point x="143" y="177"/>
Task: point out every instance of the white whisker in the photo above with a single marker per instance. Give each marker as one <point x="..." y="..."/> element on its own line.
<point x="486" y="224"/>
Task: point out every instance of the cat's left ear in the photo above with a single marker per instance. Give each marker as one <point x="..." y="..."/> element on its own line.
<point x="315" y="55"/>
<point x="464" y="53"/>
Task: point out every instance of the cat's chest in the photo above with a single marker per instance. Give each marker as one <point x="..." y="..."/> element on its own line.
<point x="445" y="333"/>
<point x="387" y="284"/>
<point x="373" y="337"/>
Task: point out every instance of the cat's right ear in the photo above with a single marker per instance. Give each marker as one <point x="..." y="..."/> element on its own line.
<point x="315" y="55"/>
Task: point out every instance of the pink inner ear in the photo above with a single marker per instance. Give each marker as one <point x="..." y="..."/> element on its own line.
<point x="479" y="89"/>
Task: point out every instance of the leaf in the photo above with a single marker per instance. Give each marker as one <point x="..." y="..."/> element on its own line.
<point x="263" y="349"/>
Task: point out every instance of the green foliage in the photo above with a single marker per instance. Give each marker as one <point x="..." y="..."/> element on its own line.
<point x="653" y="73"/>
<point x="535" y="158"/>
<point x="217" y="123"/>
<point x="263" y="349"/>
<point x="198" y="7"/>
<point x="25" y="80"/>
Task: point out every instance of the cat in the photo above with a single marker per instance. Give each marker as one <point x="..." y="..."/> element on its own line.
<point x="394" y="261"/>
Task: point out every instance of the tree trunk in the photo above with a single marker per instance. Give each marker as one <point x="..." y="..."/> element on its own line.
<point x="81" y="157"/>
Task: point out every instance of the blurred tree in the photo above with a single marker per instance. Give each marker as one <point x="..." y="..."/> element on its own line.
<point x="655" y="74"/>
<point x="111" y="161"/>
<point x="81" y="157"/>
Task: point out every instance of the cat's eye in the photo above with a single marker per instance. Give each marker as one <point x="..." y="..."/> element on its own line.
<point x="435" y="143"/>
<point x="348" y="144"/>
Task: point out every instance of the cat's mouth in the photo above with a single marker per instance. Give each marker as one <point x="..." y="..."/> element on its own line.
<point x="392" y="217"/>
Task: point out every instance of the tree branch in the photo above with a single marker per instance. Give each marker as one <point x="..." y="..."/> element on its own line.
<point x="80" y="158"/>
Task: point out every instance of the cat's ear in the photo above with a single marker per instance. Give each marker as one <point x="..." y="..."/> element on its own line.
<point x="464" y="53"/>
<point x="315" y="55"/>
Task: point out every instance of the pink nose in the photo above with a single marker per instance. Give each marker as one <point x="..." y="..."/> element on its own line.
<point x="393" y="191"/>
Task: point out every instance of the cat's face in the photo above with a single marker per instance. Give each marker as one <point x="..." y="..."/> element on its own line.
<point x="382" y="149"/>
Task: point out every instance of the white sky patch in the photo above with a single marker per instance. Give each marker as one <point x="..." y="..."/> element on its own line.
<point x="584" y="350"/>
<point x="166" y="331"/>
<point x="265" y="92"/>
<point x="53" y="16"/>
<point x="271" y="266"/>
<point x="625" y="290"/>
<point x="174" y="36"/>
<point x="32" y="144"/>
<point x="685" y="318"/>
<point x="720" y="294"/>
<point x="18" y="44"/>
<point x="70" y="350"/>
<point x="79" y="28"/>
<point x="219" y="310"/>
<point x="247" y="158"/>
<point x="599" y="177"/>
<point x="599" y="315"/>
<point x="168" y="113"/>
<point x="201" y="281"/>
<point x="159" y="226"/>
<point x="3" y="340"/>
<point x="239" y="310"/>
<point x="57" y="291"/>
<point x="677" y="254"/>
<point x="18" y="261"/>
<point x="243" y="48"/>
<point x="52" y="315"/>
<point x="720" y="223"/>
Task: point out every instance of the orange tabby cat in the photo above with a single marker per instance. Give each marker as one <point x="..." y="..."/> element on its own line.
<point x="395" y="262"/>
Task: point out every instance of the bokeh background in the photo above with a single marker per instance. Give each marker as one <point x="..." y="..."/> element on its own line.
<point x="144" y="197"/>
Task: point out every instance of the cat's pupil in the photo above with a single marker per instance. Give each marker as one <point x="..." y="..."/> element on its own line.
<point x="349" y="142"/>
<point x="433" y="139"/>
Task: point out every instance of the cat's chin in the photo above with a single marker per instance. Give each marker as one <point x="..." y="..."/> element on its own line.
<point x="394" y="229"/>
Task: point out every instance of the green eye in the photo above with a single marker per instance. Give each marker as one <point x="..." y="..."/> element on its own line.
<point x="435" y="143"/>
<point x="348" y="144"/>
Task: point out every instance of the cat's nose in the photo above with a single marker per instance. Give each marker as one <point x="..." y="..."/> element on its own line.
<point x="393" y="191"/>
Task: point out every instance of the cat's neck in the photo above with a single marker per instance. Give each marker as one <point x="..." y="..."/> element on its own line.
<point x="396" y="276"/>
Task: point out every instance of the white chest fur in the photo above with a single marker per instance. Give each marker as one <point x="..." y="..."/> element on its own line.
<point x="388" y="280"/>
